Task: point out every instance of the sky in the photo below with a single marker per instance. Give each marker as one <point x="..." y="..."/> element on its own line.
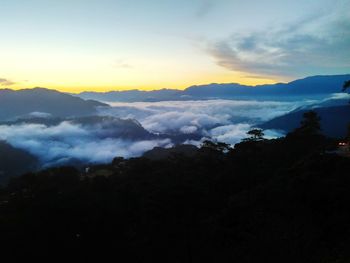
<point x="102" y="45"/>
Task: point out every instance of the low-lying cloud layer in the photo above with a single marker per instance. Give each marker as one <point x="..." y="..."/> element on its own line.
<point x="66" y="141"/>
<point x="173" y="116"/>
<point x="223" y="120"/>
<point x="100" y="139"/>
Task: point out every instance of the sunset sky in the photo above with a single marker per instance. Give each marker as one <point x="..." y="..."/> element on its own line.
<point x="76" y="45"/>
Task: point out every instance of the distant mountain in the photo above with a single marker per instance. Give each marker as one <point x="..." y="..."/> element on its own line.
<point x="42" y="101"/>
<point x="99" y="126"/>
<point x="14" y="162"/>
<point x="107" y="127"/>
<point x="334" y="120"/>
<point x="132" y="95"/>
<point x="309" y="87"/>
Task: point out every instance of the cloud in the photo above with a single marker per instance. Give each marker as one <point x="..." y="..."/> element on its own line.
<point x="6" y="82"/>
<point x="313" y="45"/>
<point x="100" y="141"/>
<point x="38" y="114"/>
<point x="231" y="134"/>
<point x="340" y="96"/>
<point x="198" y="116"/>
<point x="121" y="64"/>
<point x="222" y="120"/>
<point x="58" y="144"/>
<point x="188" y="129"/>
<point x="204" y="8"/>
<point x="234" y="133"/>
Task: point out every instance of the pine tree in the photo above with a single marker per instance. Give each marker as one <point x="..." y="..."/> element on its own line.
<point x="310" y="124"/>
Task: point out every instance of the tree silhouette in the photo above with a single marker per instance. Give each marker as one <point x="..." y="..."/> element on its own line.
<point x="346" y="85"/>
<point x="347" y="137"/>
<point x="216" y="146"/>
<point x="255" y="135"/>
<point x="310" y="124"/>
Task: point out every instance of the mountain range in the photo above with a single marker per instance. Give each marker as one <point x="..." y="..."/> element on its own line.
<point x="308" y="87"/>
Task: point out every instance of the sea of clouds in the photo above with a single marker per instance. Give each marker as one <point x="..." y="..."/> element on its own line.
<point x="222" y="120"/>
<point x="61" y="143"/>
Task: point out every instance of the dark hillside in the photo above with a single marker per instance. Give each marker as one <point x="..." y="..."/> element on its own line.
<point x="14" y="162"/>
<point x="282" y="200"/>
<point x="334" y="120"/>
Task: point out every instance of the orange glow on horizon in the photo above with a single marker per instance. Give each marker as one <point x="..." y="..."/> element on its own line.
<point x="77" y="88"/>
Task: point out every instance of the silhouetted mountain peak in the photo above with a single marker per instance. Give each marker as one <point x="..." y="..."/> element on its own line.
<point x="14" y="103"/>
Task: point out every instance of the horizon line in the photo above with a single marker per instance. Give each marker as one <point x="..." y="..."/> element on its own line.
<point x="174" y="89"/>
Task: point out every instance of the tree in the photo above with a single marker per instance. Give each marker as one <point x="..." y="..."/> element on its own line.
<point x="310" y="124"/>
<point x="308" y="137"/>
<point x="347" y="137"/>
<point x="255" y="135"/>
<point x="216" y="146"/>
<point x="346" y="85"/>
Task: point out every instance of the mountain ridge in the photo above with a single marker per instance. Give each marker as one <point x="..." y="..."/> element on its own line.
<point x="16" y="103"/>
<point x="334" y="120"/>
<point x="311" y="86"/>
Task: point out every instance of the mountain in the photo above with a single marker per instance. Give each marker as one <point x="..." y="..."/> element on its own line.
<point x="309" y="87"/>
<point x="112" y="127"/>
<point x="334" y="120"/>
<point x="40" y="101"/>
<point x="14" y="162"/>
<point x="132" y="95"/>
<point x="98" y="126"/>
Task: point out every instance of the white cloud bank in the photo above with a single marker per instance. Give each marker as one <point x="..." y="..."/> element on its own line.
<point x="187" y="116"/>
<point x="223" y="120"/>
<point x="57" y="144"/>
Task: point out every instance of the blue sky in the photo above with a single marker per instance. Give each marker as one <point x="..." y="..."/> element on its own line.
<point x="104" y="45"/>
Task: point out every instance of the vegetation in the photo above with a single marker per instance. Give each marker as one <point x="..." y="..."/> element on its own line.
<point x="346" y="85"/>
<point x="347" y="137"/>
<point x="310" y="124"/>
<point x="255" y="135"/>
<point x="282" y="200"/>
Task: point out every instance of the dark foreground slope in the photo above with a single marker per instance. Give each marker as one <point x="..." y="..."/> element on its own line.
<point x="14" y="162"/>
<point x="283" y="200"/>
